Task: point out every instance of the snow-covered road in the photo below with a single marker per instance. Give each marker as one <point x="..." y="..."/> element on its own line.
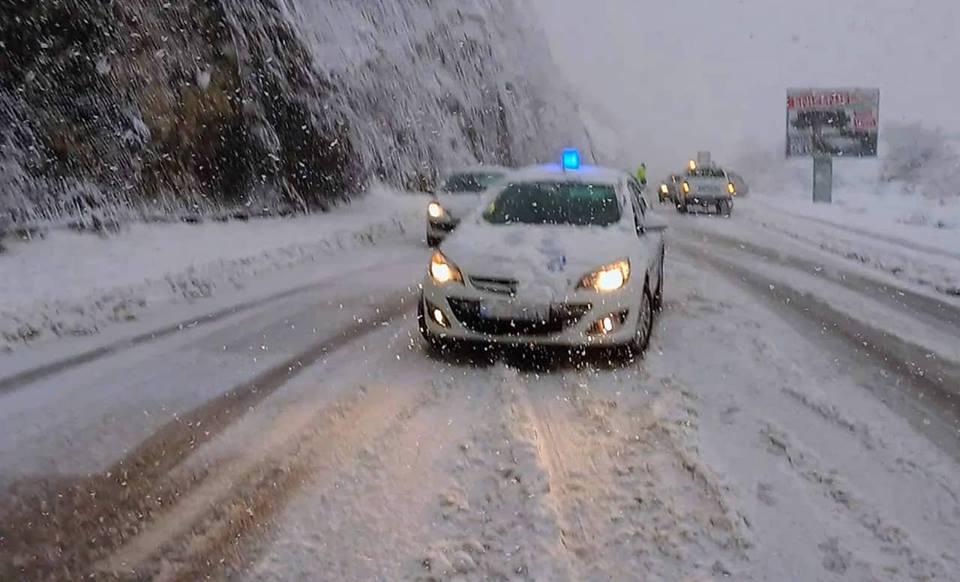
<point x="795" y="418"/>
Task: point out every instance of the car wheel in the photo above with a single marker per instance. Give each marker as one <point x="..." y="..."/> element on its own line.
<point x="658" y="296"/>
<point x="682" y="208"/>
<point x="641" y="338"/>
<point x="726" y="208"/>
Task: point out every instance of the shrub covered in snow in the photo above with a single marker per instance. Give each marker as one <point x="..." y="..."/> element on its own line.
<point x="922" y="160"/>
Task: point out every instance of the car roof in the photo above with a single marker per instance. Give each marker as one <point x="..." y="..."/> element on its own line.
<point x="554" y="172"/>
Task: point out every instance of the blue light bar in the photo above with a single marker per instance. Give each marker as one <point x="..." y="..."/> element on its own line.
<point x="570" y="159"/>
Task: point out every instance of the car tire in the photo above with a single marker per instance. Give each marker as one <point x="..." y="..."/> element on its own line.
<point x="726" y="208"/>
<point x="641" y="339"/>
<point x="658" y="295"/>
<point x="682" y="208"/>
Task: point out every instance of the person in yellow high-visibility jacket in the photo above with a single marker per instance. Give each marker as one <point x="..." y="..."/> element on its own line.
<point x="642" y="174"/>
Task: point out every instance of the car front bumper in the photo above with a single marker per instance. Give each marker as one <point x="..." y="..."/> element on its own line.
<point x="706" y="199"/>
<point x="569" y="323"/>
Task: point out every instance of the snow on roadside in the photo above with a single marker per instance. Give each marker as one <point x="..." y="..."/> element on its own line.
<point x="865" y="201"/>
<point x="912" y="218"/>
<point x="832" y="481"/>
<point x="924" y="257"/>
<point x="73" y="284"/>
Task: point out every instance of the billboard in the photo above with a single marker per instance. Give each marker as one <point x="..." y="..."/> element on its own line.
<point x="833" y="122"/>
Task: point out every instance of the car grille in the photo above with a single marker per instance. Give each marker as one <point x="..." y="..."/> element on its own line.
<point x="494" y="285"/>
<point x="562" y="316"/>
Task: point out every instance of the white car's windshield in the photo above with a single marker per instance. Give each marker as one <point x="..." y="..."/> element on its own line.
<point x="570" y="203"/>
<point x="469" y="183"/>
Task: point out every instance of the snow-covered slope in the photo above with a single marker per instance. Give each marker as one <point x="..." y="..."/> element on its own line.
<point x="292" y="102"/>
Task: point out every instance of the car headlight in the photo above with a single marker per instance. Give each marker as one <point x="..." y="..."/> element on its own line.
<point x="608" y="277"/>
<point x="442" y="271"/>
<point x="686" y="187"/>
<point x="664" y="189"/>
<point x="434" y="210"/>
<point x="731" y="188"/>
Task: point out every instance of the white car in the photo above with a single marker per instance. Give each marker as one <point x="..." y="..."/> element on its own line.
<point x="558" y="257"/>
<point x="459" y="194"/>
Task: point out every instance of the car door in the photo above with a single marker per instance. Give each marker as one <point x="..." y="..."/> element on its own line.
<point x="651" y="241"/>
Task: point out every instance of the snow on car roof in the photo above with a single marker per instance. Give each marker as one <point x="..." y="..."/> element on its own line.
<point x="480" y="169"/>
<point x="554" y="172"/>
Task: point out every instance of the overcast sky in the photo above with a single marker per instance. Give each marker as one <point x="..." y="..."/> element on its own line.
<point x="681" y="75"/>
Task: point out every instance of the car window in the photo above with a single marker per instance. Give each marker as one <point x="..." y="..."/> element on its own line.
<point x="571" y="203"/>
<point x="470" y="182"/>
<point x="638" y="214"/>
<point x="636" y="192"/>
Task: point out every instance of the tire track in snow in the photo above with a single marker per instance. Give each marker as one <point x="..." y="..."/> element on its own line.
<point x="222" y="525"/>
<point x="859" y="231"/>
<point x="925" y="390"/>
<point x="931" y="275"/>
<point x="82" y="519"/>
<point x="940" y="314"/>
<point x="780" y="378"/>
<point x="500" y="515"/>
<point x="630" y="495"/>
<point x="26" y="377"/>
<point x="377" y="517"/>
<point x="868" y="436"/>
<point x="894" y="542"/>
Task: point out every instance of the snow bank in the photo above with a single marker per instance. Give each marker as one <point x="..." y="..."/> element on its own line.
<point x="868" y="195"/>
<point x="71" y="284"/>
<point x="914" y="219"/>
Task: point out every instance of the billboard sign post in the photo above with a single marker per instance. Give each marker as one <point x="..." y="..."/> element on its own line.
<point x="831" y="123"/>
<point x="823" y="179"/>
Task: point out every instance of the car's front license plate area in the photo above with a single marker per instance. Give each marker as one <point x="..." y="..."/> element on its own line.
<point x="515" y="311"/>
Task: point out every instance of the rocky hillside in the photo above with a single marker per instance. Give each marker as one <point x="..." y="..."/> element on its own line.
<point x="198" y="105"/>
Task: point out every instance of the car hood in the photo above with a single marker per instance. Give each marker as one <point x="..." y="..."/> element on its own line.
<point x="459" y="205"/>
<point x="546" y="261"/>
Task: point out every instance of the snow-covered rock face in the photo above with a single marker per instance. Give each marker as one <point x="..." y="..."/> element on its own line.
<point x="295" y="102"/>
